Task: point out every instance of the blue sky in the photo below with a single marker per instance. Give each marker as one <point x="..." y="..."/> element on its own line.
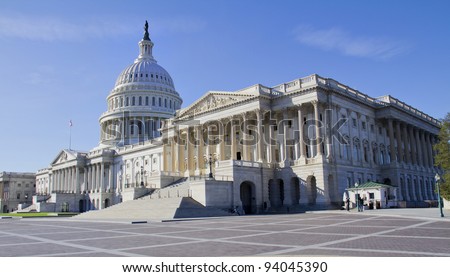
<point x="60" y="59"/>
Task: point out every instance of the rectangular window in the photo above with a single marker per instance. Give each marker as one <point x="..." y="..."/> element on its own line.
<point x="372" y="128"/>
<point x="18" y="195"/>
<point x="354" y="122"/>
<point x="363" y="125"/>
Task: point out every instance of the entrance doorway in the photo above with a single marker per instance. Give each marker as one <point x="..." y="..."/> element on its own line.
<point x="276" y="193"/>
<point x="295" y="190"/>
<point x="238" y="156"/>
<point x="5" y="209"/>
<point x="247" y="197"/>
<point x="107" y="203"/>
<point x="311" y="190"/>
<point x="81" y="206"/>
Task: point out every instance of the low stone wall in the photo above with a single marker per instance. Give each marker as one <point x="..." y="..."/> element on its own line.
<point x="133" y="193"/>
<point x="212" y="193"/>
<point x="446" y="204"/>
<point x="45" y="207"/>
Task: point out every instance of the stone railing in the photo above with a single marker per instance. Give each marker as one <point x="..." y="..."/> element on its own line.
<point x="394" y="101"/>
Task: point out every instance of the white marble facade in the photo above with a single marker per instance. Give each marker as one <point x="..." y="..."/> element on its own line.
<point x="298" y="144"/>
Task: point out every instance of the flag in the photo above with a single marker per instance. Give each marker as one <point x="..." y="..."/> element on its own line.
<point x="70" y="123"/>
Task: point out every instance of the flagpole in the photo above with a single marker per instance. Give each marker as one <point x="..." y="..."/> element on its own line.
<point x="70" y="135"/>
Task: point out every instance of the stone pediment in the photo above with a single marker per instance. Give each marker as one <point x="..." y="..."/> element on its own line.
<point x="211" y="101"/>
<point x="64" y="156"/>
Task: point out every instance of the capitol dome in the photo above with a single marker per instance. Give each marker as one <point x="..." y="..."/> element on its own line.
<point x="143" y="96"/>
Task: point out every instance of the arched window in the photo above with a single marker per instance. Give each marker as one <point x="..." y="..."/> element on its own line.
<point x="121" y="102"/>
<point x="165" y="103"/>
<point x="346" y="148"/>
<point x="140" y="100"/>
<point x="382" y="154"/>
<point x="153" y="101"/>
<point x="133" y="101"/>
<point x="374" y="152"/>
<point x="366" y="151"/>
<point x="356" y="148"/>
<point x="170" y="103"/>
<point x="146" y="100"/>
<point x="159" y="100"/>
<point x="127" y="102"/>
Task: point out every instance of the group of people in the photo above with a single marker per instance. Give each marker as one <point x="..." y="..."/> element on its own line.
<point x="359" y="204"/>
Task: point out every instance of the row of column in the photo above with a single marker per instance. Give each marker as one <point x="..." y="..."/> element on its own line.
<point x="131" y="175"/>
<point x="417" y="189"/>
<point x="94" y="179"/>
<point x="66" y="180"/>
<point x="183" y="155"/>
<point x="129" y="128"/>
<point x="414" y="146"/>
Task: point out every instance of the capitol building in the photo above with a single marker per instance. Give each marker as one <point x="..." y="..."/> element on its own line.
<point x="303" y="144"/>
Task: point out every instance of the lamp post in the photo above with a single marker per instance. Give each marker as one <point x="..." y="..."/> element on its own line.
<point x="210" y="166"/>
<point x="357" y="196"/>
<point x="437" y="178"/>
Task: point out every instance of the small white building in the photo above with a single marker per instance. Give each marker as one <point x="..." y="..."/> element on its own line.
<point x="374" y="195"/>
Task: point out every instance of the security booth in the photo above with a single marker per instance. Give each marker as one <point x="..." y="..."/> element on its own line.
<point x="374" y="195"/>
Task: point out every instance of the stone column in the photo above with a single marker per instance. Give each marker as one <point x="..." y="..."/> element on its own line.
<point x="200" y="161"/>
<point x="245" y="150"/>
<point x="300" y="134"/>
<point x="69" y="180"/>
<point x="60" y="180"/>
<point x="391" y="141"/>
<point x="270" y="137"/>
<point x="233" y="139"/>
<point x="317" y="119"/>
<point x="102" y="177"/>
<point x="98" y="177"/>
<point x="111" y="176"/>
<point x="407" y="144"/>
<point x="430" y="150"/>
<point x="180" y="152"/>
<point x="77" y="180"/>
<point x="399" y="142"/>
<point x="413" y="145"/>
<point x="92" y="177"/>
<point x="55" y="180"/>
<point x="158" y="126"/>
<point x="144" y="128"/>
<point x="424" y="149"/>
<point x="85" y="179"/>
<point x="64" y="183"/>
<point x="72" y="179"/>
<point x="190" y="151"/>
<point x="259" y="146"/>
<point x="418" y="147"/>
<point x="285" y="147"/>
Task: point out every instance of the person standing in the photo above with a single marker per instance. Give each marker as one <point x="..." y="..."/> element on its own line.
<point x="347" y="204"/>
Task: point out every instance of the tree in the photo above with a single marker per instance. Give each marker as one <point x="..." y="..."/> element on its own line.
<point x="442" y="159"/>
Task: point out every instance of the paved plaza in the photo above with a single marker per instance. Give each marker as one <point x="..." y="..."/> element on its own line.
<point x="402" y="232"/>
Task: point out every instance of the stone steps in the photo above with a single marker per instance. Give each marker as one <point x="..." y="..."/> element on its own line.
<point x="153" y="210"/>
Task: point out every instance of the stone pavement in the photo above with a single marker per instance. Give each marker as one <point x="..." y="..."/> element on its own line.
<point x="399" y="232"/>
